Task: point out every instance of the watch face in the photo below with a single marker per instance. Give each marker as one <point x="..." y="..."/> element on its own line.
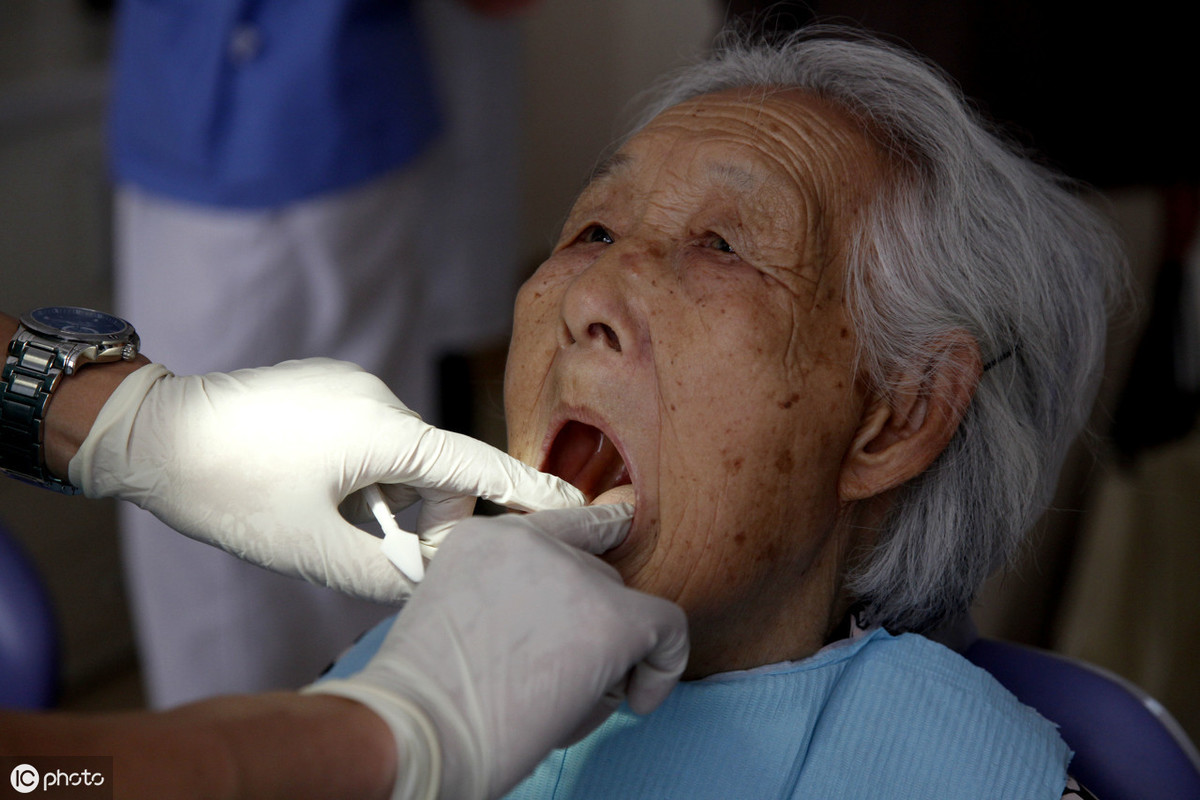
<point x="70" y="321"/>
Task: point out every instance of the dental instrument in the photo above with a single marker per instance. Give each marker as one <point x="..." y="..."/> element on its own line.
<point x="401" y="547"/>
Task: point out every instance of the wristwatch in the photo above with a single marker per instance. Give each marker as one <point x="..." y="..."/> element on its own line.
<point x="50" y="342"/>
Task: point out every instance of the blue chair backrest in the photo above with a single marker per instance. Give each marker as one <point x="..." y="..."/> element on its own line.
<point x="1126" y="744"/>
<point x="29" y="651"/>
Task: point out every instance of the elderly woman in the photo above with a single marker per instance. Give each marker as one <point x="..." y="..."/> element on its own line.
<point x="832" y="338"/>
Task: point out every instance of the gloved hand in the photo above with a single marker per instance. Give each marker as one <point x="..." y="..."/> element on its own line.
<point x="257" y="462"/>
<point x="516" y="643"/>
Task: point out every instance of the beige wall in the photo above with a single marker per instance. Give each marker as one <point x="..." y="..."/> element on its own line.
<point x="585" y="61"/>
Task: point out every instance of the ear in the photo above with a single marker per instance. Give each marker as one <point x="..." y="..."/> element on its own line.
<point x="903" y="431"/>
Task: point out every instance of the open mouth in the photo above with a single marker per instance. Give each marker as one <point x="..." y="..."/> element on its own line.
<point x="585" y="457"/>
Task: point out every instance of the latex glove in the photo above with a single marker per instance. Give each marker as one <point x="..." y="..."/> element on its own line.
<point x="516" y="643"/>
<point x="257" y="462"/>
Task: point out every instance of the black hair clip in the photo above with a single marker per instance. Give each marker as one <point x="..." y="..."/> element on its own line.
<point x="1007" y="354"/>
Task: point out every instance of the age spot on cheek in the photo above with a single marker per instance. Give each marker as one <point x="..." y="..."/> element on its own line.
<point x="789" y="402"/>
<point x="769" y="553"/>
<point x="785" y="463"/>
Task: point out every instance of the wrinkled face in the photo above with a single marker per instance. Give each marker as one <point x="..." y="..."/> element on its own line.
<point x="687" y="342"/>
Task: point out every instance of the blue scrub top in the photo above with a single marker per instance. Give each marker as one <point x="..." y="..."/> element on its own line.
<point x="255" y="103"/>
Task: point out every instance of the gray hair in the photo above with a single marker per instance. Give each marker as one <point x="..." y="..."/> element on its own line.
<point x="968" y="235"/>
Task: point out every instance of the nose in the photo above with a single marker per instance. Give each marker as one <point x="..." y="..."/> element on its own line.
<point x="598" y="310"/>
<point x="600" y="332"/>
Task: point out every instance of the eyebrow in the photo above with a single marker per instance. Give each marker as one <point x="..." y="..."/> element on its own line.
<point x="728" y="174"/>
<point x="734" y="177"/>
<point x="617" y="162"/>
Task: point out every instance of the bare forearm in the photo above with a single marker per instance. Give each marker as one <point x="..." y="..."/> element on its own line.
<point x="283" y="745"/>
<point x="76" y="402"/>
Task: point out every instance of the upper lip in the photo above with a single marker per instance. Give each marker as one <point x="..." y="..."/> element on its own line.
<point x="596" y="471"/>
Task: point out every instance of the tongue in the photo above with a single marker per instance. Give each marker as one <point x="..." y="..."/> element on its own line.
<point x="584" y="457"/>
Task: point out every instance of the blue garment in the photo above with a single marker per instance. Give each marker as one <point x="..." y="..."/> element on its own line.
<point x="255" y="103"/>
<point x="877" y="716"/>
<point x="354" y="659"/>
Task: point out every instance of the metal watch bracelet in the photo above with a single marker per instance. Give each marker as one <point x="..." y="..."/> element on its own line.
<point x="30" y="376"/>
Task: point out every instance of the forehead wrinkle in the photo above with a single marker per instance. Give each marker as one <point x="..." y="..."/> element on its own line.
<point x="813" y="138"/>
<point x="840" y="153"/>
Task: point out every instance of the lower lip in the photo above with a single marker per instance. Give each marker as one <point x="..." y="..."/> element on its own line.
<point x="619" y="494"/>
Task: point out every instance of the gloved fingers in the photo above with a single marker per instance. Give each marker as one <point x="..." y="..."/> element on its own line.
<point x="357" y="510"/>
<point x="515" y="627"/>
<point x="593" y="529"/>
<point x="399" y="496"/>
<point x="428" y="551"/>
<point x="349" y="560"/>
<point x="655" y="675"/>
<point x="609" y="703"/>
<point x="439" y="513"/>
<point x="648" y="683"/>
<point x="452" y="462"/>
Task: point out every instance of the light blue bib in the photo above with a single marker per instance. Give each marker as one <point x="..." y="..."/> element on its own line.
<point x="877" y="717"/>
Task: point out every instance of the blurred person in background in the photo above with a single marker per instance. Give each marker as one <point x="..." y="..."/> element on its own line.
<point x="288" y="177"/>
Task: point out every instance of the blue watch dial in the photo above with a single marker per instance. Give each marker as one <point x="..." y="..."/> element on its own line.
<point x="85" y="321"/>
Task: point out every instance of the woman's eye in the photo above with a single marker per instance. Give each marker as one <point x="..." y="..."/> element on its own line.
<point x="717" y="243"/>
<point x="594" y="234"/>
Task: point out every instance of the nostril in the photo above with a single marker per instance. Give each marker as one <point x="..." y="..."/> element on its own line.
<point x="599" y="329"/>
